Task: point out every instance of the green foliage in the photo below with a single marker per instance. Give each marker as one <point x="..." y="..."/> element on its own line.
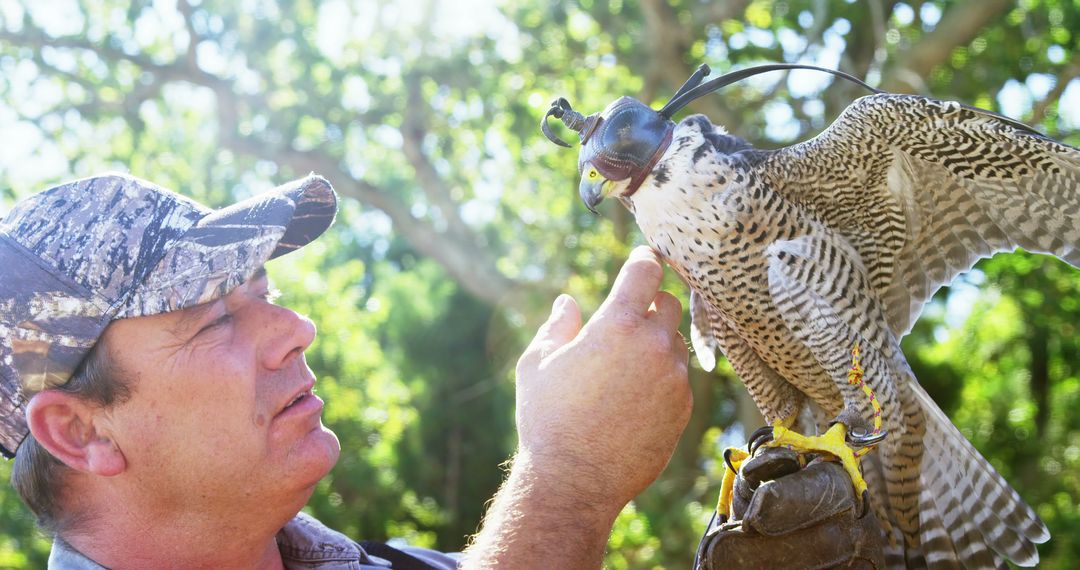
<point x="21" y="545"/>
<point x="460" y="222"/>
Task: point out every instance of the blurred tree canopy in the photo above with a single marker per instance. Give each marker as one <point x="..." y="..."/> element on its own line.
<point x="460" y="223"/>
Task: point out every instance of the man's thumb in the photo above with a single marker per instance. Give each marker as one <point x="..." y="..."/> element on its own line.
<point x="560" y="328"/>
<point x="564" y="323"/>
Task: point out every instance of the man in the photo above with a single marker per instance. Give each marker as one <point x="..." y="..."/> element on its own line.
<point x="162" y="415"/>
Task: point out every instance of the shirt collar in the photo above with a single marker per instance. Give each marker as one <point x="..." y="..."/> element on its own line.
<point x="304" y="543"/>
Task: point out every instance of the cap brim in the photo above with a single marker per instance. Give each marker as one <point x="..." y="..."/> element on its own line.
<point x="225" y="248"/>
<point x="304" y="208"/>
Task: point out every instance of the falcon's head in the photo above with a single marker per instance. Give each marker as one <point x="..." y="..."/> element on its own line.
<point x="619" y="146"/>
<point x="618" y="153"/>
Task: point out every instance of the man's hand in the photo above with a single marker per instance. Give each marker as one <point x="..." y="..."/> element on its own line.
<point x="599" y="411"/>
<point x="603" y="406"/>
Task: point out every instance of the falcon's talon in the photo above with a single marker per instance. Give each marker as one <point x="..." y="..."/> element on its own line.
<point x="761" y="436"/>
<point x="733" y="460"/>
<point x="727" y="460"/>
<point x="865" y="503"/>
<point x="862" y="439"/>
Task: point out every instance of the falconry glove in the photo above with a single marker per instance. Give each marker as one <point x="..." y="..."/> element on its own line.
<point x="790" y="517"/>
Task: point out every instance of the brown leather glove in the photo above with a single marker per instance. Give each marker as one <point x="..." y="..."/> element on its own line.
<point x="791" y="518"/>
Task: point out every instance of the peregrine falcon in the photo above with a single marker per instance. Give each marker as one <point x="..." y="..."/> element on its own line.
<point x="795" y="256"/>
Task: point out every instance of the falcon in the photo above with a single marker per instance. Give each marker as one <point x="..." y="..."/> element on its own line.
<point x="796" y="256"/>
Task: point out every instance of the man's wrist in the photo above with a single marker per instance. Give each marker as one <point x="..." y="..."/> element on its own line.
<point x="575" y="484"/>
<point x="543" y="518"/>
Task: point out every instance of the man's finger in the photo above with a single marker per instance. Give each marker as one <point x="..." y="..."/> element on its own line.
<point x="562" y="326"/>
<point x="637" y="283"/>
<point x="667" y="310"/>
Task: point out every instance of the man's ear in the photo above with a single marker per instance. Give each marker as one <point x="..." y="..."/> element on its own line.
<point x="66" y="426"/>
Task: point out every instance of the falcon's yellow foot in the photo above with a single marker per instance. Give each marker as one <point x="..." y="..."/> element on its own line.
<point x="833" y="442"/>
<point x="837" y="441"/>
<point x="733" y="460"/>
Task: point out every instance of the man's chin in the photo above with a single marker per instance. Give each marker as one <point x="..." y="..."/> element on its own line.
<point x="314" y="456"/>
<point x="327" y="441"/>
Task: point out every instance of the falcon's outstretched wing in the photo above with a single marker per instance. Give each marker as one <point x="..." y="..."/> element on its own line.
<point x="923" y="189"/>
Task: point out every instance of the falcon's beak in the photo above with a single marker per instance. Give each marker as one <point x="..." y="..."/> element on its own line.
<point x="592" y="193"/>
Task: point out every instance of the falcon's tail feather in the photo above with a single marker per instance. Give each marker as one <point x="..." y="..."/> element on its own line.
<point x="872" y="470"/>
<point x="973" y="503"/>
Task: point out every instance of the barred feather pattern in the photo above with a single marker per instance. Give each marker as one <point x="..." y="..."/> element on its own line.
<point x="795" y="255"/>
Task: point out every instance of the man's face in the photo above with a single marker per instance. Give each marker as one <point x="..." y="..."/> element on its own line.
<point x="214" y="416"/>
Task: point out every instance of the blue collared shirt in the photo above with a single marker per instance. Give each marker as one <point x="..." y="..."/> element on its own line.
<point x="305" y="544"/>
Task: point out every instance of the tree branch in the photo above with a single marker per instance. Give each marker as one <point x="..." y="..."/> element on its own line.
<point x="959" y="26"/>
<point x="1070" y="72"/>
<point x="192" y="57"/>
<point x="413" y="130"/>
<point x="669" y="41"/>
<point x="458" y="254"/>
<point x="465" y="262"/>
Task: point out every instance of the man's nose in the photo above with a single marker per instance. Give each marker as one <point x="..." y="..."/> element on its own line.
<point x="287" y="335"/>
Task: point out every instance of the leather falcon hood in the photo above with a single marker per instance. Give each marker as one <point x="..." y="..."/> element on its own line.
<point x="625" y="141"/>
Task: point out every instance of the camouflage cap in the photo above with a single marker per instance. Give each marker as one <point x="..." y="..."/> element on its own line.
<point x="79" y="255"/>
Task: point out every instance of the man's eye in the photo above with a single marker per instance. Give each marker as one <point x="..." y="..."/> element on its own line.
<point x="222" y="320"/>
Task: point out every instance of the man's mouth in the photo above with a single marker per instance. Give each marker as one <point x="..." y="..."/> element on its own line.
<point x="297" y="399"/>
<point x="301" y="400"/>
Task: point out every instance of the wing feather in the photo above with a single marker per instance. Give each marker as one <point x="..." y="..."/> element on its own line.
<point x="925" y="188"/>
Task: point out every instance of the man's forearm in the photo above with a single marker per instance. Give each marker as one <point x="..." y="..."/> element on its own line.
<point x="535" y="523"/>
